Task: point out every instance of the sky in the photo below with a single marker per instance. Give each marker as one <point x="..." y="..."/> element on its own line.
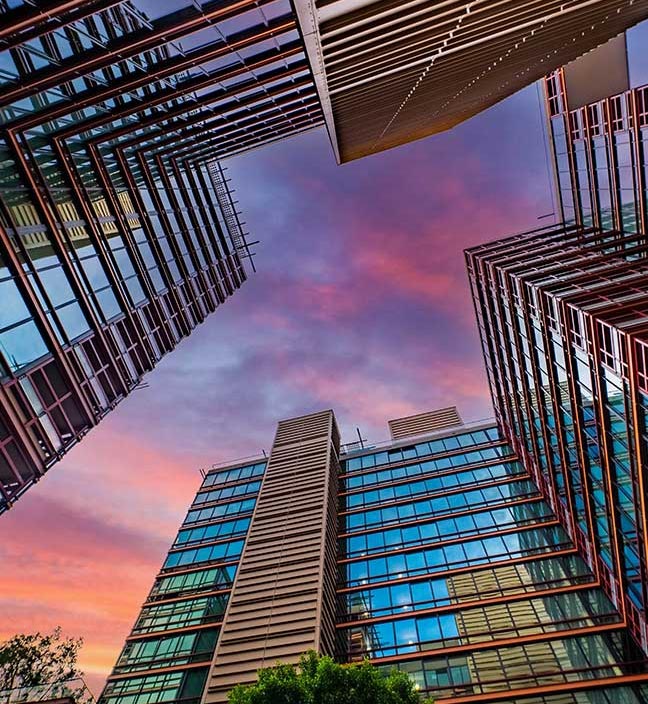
<point x="360" y="304"/>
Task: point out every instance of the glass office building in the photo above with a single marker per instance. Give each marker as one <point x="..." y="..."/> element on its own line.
<point x="437" y="554"/>
<point x="118" y="233"/>
<point x="562" y="316"/>
<point x="168" y="654"/>
<point x="455" y="569"/>
<point x="597" y="111"/>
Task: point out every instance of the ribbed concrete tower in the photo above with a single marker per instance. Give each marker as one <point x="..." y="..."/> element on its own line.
<point x="283" y="600"/>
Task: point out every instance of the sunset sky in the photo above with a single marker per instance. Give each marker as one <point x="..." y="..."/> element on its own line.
<point x="360" y="304"/>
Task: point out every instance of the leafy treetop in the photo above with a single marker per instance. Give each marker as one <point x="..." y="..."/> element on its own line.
<point x="320" y="680"/>
<point x="37" y="659"/>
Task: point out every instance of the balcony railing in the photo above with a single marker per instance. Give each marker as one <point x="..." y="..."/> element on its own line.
<point x="74" y="690"/>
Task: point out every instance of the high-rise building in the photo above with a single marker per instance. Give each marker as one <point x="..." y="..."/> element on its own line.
<point x="597" y="110"/>
<point x="118" y="233"/>
<point x="437" y="553"/>
<point x="562" y="317"/>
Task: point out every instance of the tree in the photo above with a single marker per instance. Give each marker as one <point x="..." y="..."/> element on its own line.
<point x="39" y="660"/>
<point x="320" y="680"/>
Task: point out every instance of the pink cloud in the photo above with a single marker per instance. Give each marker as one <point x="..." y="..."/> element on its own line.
<point x="63" y="566"/>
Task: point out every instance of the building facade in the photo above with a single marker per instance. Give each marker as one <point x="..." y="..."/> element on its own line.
<point x="169" y="652"/>
<point x="118" y="233"/>
<point x="598" y="137"/>
<point x="562" y="316"/>
<point x="438" y="554"/>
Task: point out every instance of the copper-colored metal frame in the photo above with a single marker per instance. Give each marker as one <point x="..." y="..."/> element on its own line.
<point x="634" y="129"/>
<point x="174" y="136"/>
<point x="520" y="256"/>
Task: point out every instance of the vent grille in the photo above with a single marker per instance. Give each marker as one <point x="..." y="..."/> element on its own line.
<point x="423" y="423"/>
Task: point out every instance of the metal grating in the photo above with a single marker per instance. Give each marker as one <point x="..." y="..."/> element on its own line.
<point x="422" y="423"/>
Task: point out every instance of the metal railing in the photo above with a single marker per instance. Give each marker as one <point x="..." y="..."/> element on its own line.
<point x="362" y="446"/>
<point x="230" y="214"/>
<point x="234" y="463"/>
<point x="74" y="689"/>
<point x="467" y="426"/>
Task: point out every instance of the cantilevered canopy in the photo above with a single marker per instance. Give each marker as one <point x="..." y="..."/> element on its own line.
<point x="392" y="71"/>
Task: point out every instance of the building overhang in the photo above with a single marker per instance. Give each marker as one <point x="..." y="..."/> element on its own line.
<point x="388" y="72"/>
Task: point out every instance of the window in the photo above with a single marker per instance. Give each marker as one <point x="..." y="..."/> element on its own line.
<point x="577" y="327"/>
<point x="227" y="493"/>
<point x="181" y="614"/>
<point x="221" y="510"/>
<point x="618" y="113"/>
<point x="153" y="689"/>
<point x="193" y="582"/>
<point x="470" y="552"/>
<point x="234" y="474"/>
<point x="553" y="86"/>
<point x="610" y="347"/>
<point x="641" y="349"/>
<point x="445" y="504"/>
<point x="167" y="651"/>
<point x="222" y="552"/>
<point x="217" y="531"/>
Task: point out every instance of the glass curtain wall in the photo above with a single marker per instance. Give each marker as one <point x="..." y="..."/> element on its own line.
<point x="455" y="569"/>
<point x="118" y="234"/>
<point x="168" y="653"/>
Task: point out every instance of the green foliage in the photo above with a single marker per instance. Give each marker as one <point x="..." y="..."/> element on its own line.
<point x="40" y="660"/>
<point x="320" y="680"/>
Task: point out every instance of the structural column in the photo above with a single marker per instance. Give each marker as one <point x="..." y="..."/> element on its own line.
<point x="283" y="599"/>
